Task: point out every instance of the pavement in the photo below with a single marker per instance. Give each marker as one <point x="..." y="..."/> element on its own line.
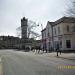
<point x="31" y="63"/>
<point x="69" y="56"/>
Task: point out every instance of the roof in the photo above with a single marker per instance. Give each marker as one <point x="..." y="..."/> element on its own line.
<point x="12" y="37"/>
<point x="63" y="20"/>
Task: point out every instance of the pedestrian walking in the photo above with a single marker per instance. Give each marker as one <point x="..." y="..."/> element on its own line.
<point x="57" y="49"/>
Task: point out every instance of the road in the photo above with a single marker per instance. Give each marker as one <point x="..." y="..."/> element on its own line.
<point x="24" y="63"/>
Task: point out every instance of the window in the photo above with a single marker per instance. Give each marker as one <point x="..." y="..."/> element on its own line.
<point x="58" y="29"/>
<point x="68" y="29"/>
<point x="68" y="43"/>
<point x="55" y="31"/>
<point x="1" y="38"/>
<point x="48" y="34"/>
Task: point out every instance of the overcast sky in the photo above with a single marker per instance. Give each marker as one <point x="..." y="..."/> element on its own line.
<point x="40" y="11"/>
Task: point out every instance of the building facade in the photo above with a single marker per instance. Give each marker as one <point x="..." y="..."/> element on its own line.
<point x="9" y="42"/>
<point x="43" y="42"/>
<point x="62" y="33"/>
<point x="25" y="41"/>
<point x="24" y="28"/>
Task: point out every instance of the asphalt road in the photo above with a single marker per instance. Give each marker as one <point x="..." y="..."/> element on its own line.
<point x="24" y="63"/>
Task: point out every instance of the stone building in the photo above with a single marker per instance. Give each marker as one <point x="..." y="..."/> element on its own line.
<point x="62" y="33"/>
<point x="25" y="41"/>
<point x="43" y="45"/>
<point x="9" y="42"/>
<point x="24" y="28"/>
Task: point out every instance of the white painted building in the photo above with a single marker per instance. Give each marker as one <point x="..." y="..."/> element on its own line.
<point x="61" y="32"/>
<point x="43" y="45"/>
<point x="49" y="36"/>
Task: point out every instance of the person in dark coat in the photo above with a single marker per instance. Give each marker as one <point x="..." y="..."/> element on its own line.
<point x="57" y="49"/>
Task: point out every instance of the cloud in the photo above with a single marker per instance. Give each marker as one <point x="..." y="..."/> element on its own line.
<point x="11" y="12"/>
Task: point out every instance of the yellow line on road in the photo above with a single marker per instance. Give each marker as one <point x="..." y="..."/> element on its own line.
<point x="1" y="68"/>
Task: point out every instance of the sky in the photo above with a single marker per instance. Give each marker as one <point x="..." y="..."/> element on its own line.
<point x="39" y="11"/>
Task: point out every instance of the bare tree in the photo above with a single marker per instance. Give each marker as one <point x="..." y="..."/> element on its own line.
<point x="71" y="8"/>
<point x="30" y="30"/>
<point x="18" y="33"/>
